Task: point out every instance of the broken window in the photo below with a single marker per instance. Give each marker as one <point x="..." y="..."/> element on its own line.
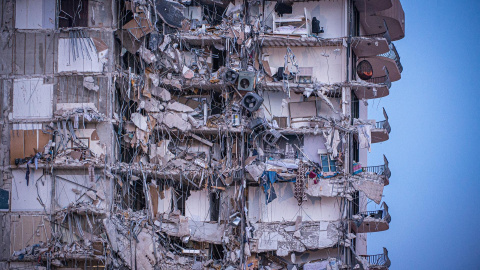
<point x="73" y="13"/>
<point x="328" y="165"/>
<point x="355" y="107"/>
<point x="356" y="150"/>
<point x="4" y="199"/>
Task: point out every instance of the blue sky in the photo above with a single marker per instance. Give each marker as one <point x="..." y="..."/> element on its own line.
<point x="434" y="146"/>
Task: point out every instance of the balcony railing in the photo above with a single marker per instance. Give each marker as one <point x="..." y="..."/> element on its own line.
<point x="378" y="214"/>
<point x="379" y="260"/>
<point x="379" y="170"/>
<point x="385" y="35"/>
<point x="385" y="80"/>
<point x="393" y="54"/>
<point x="383" y="125"/>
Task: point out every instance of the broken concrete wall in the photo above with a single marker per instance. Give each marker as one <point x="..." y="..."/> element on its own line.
<point x="284" y="238"/>
<point x="197" y="206"/>
<point x="325" y="61"/>
<point x="311" y="256"/>
<point x="332" y="15"/>
<point x="86" y="89"/>
<point x="76" y="187"/>
<point x="285" y="207"/>
<point x="162" y="117"/>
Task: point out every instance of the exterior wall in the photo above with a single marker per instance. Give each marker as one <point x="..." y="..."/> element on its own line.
<point x="285" y="207"/>
<point x="197" y="206"/>
<point x="24" y="198"/>
<point x="330" y="13"/>
<point x="35" y="14"/>
<point x="43" y="69"/>
<point x="276" y="104"/>
<point x="328" y="63"/>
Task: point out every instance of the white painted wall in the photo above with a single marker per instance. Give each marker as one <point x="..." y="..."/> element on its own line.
<point x="24" y="198"/>
<point x="330" y="13"/>
<point x="197" y="206"/>
<point x="276" y="104"/>
<point x="32" y="99"/>
<point x="328" y="62"/>
<point x="164" y="205"/>
<point x="311" y="145"/>
<point x="285" y="207"/>
<point x="68" y="61"/>
<point x="35" y="14"/>
<point x="64" y="194"/>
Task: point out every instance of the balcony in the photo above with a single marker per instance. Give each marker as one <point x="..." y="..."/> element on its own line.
<point x="389" y="61"/>
<point x="371" y="45"/>
<point x="380" y="170"/>
<point x="373" y="5"/>
<point x="373" y="88"/>
<point x="393" y="54"/>
<point x="375" y="19"/>
<point x="372" y="221"/>
<point x="379" y="261"/>
<point x="382" y="130"/>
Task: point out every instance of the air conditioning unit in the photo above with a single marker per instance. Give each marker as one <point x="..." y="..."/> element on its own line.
<point x="252" y="101"/>
<point x="230" y="76"/>
<point x="246" y="81"/>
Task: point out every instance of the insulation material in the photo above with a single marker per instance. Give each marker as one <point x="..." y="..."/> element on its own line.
<point x="332" y="140"/>
<point x="160" y="154"/>
<point x="373" y="190"/>
<point x="364" y="136"/>
<point x="140" y="121"/>
<point x="32" y="99"/>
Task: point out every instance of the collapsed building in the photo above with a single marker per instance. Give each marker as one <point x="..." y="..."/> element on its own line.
<point x="180" y="134"/>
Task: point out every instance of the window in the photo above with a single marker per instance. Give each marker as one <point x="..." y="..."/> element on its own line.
<point x="328" y="165"/>
<point x="355" y="107"/>
<point x="73" y="13"/>
<point x="356" y="150"/>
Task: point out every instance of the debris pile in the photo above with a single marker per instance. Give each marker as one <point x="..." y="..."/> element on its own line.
<point x="178" y="134"/>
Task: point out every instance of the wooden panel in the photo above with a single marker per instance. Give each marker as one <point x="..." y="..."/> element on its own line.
<point x="23" y="143"/>
<point x="16" y="145"/>
<point x="29" y="230"/>
<point x="30" y="142"/>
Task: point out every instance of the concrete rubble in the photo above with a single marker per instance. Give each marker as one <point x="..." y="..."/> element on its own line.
<point x="176" y="134"/>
